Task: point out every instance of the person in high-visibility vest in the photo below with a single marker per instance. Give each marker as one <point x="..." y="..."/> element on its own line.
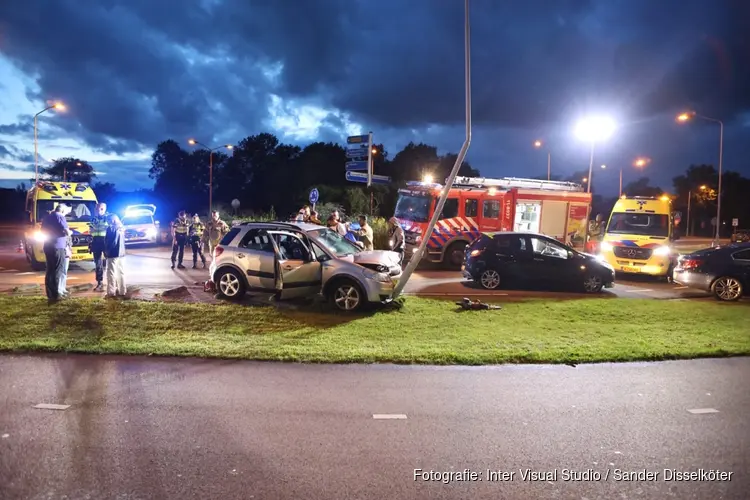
<point x="215" y="231"/>
<point x="180" y="228"/>
<point x="98" y="227"/>
<point x="195" y="237"/>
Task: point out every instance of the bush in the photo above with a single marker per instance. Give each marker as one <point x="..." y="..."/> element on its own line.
<point x="380" y="233"/>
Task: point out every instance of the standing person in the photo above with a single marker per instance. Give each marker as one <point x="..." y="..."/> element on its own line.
<point x="365" y="233"/>
<point x="303" y="215"/>
<point x="195" y="237"/>
<point x="397" y="238"/>
<point x="340" y="227"/>
<point x="98" y="228"/>
<point x="180" y="228"/>
<point x="56" y="228"/>
<point x="114" y="250"/>
<point x="62" y="287"/>
<point x="313" y="219"/>
<point x="215" y="231"/>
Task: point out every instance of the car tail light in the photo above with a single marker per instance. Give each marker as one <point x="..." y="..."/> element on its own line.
<point x="475" y="252"/>
<point x="690" y="263"/>
<point x="218" y="251"/>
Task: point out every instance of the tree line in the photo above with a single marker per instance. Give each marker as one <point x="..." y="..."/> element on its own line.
<point x="266" y="175"/>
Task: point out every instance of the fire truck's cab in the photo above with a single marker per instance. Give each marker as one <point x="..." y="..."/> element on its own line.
<point x="478" y="205"/>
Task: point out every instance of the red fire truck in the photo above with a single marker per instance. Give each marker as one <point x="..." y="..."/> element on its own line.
<point x="476" y="205"/>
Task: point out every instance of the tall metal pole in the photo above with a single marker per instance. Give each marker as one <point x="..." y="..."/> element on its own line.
<point x="549" y="163"/>
<point x="36" y="151"/>
<point x="414" y="262"/>
<point x="620" y="182"/>
<point x="210" y="182"/>
<point x="687" y="226"/>
<point x="369" y="160"/>
<point x="587" y="231"/>
<point x="591" y="168"/>
<point x="718" y="194"/>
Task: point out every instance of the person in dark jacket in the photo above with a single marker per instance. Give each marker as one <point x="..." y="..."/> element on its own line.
<point x="55" y="228"/>
<point x="114" y="252"/>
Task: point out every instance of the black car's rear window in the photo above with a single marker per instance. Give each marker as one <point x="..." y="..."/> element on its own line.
<point x="480" y="243"/>
<point x="229" y="237"/>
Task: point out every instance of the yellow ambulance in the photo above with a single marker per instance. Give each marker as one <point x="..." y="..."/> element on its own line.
<point x="42" y="199"/>
<point x="639" y="235"/>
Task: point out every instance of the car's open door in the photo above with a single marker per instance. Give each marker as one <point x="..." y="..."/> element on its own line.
<point x="300" y="271"/>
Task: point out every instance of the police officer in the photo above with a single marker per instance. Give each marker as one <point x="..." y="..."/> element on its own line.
<point x="215" y="231"/>
<point x="98" y="227"/>
<point x="195" y="237"/>
<point x="180" y="228"/>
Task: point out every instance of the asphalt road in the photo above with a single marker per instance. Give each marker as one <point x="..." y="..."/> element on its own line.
<point x="149" y="266"/>
<point x="144" y="428"/>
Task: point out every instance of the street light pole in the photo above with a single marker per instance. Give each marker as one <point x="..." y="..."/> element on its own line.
<point x="685" y="117"/>
<point x="591" y="168"/>
<point x="414" y="262"/>
<point x="193" y="142"/>
<point x="549" y="163"/>
<point x="57" y="105"/>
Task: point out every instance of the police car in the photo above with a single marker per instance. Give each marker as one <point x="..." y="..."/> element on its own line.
<point x="140" y="226"/>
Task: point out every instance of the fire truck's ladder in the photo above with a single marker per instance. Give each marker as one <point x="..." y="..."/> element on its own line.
<point x="515" y="182"/>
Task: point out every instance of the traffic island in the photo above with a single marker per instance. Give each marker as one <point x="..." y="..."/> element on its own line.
<point x="420" y="331"/>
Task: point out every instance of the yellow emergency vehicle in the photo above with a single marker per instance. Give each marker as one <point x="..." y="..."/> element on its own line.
<point x="41" y="199"/>
<point x="639" y="235"/>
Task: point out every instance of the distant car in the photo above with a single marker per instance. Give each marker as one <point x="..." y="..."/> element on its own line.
<point x="140" y="226"/>
<point x="496" y="259"/>
<point x="296" y="259"/>
<point x="741" y="235"/>
<point x="724" y="271"/>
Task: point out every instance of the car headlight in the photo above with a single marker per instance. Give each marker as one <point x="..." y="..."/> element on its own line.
<point x="40" y="237"/>
<point x="662" y="251"/>
<point x="606" y="247"/>
<point x="151" y="232"/>
<point x="372" y="275"/>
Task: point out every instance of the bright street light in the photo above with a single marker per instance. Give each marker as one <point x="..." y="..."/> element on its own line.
<point x="193" y="142"/>
<point x="684" y="117"/>
<point x="58" y="106"/>
<point x="596" y="128"/>
<point x="537" y="144"/>
<point x="427" y="179"/>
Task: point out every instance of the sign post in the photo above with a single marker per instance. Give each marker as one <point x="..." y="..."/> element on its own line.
<point x="314" y="196"/>
<point x="360" y="161"/>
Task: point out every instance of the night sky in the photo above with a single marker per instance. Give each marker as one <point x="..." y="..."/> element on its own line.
<point x="136" y="72"/>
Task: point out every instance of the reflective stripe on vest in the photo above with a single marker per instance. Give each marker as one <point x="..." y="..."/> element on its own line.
<point x="180" y="227"/>
<point x="99" y="225"/>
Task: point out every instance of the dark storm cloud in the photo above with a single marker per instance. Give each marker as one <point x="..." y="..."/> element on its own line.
<point x="15" y="168"/>
<point x="134" y="73"/>
<point x="15" y="154"/>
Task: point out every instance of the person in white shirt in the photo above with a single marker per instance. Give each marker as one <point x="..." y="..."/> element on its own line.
<point x="365" y="233"/>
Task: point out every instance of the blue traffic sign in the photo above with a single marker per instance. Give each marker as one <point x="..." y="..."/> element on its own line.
<point x="356" y="139"/>
<point x="314" y="195"/>
<point x="362" y="177"/>
<point x="353" y="166"/>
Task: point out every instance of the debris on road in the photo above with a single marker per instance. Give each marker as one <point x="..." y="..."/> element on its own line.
<point x="476" y="305"/>
<point x="81" y="288"/>
<point x="29" y="287"/>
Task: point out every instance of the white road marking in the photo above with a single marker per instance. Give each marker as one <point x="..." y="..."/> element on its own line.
<point x="389" y="416"/>
<point x="10" y="270"/>
<point x="72" y="278"/>
<point x="700" y="411"/>
<point x="452" y="294"/>
<point x="48" y="406"/>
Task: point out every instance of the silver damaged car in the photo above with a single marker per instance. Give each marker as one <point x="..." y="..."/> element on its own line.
<point x="294" y="260"/>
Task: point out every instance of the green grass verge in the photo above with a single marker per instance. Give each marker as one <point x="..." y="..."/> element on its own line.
<point x="423" y="331"/>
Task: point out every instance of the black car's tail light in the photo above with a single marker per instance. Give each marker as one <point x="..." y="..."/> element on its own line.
<point x="688" y="264"/>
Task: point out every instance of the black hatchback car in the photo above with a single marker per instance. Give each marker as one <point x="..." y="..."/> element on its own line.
<point x="723" y="271"/>
<point x="495" y="259"/>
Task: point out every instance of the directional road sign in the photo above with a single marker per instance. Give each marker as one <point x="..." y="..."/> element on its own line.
<point x="362" y="177"/>
<point x="358" y="139"/>
<point x="356" y="153"/>
<point x="354" y="166"/>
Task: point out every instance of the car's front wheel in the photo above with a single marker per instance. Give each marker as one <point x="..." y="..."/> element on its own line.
<point x="346" y="295"/>
<point x="489" y="279"/>
<point x="593" y="283"/>
<point x="727" y="288"/>
<point x="230" y="284"/>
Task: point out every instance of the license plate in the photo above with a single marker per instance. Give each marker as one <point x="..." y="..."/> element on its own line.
<point x="627" y="269"/>
<point x="78" y="257"/>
